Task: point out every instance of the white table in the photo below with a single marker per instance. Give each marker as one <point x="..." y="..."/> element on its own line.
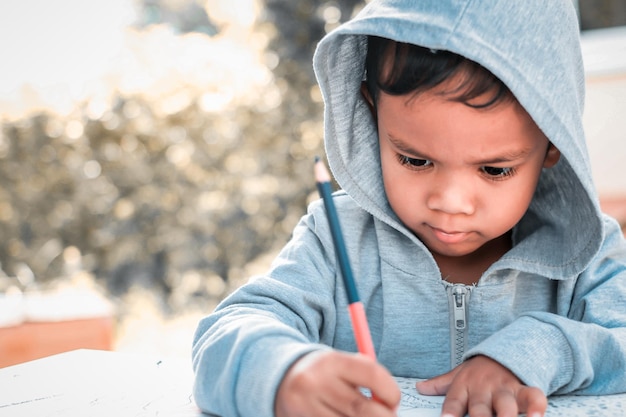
<point x="100" y="383"/>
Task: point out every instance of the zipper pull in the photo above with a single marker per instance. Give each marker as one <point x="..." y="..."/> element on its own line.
<point x="459" y="292"/>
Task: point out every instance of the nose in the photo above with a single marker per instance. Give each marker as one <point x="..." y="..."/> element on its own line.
<point x="451" y="195"/>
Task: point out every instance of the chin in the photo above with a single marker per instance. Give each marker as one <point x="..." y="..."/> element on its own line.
<point x="452" y="251"/>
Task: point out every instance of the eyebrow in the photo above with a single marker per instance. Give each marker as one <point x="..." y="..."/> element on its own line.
<point x="513" y="155"/>
<point x="402" y="147"/>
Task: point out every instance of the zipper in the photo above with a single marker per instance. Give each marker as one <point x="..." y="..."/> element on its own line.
<point x="458" y="295"/>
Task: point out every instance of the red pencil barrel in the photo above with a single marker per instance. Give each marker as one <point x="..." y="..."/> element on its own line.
<point x="361" y="330"/>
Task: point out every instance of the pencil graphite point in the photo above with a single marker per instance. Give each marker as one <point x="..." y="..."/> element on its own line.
<point x="321" y="172"/>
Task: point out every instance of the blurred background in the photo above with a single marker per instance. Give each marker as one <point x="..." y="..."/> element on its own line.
<point x="154" y="154"/>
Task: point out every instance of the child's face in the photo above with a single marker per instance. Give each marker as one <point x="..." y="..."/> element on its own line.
<point x="459" y="177"/>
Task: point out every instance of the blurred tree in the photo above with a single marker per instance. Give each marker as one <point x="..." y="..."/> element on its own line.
<point x="170" y="192"/>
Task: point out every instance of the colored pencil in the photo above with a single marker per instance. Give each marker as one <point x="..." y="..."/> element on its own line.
<point x="360" y="326"/>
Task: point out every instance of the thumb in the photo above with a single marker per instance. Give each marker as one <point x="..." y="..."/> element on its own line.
<point x="436" y="386"/>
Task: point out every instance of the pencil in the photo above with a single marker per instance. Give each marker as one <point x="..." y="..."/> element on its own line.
<point x="360" y="327"/>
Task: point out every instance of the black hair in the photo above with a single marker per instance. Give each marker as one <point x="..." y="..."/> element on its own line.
<point x="415" y="69"/>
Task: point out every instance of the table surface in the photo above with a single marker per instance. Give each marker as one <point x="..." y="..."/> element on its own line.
<point x="102" y="383"/>
<point x="98" y="383"/>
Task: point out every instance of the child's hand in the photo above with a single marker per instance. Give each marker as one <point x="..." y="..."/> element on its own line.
<point x="481" y="387"/>
<point x="324" y="384"/>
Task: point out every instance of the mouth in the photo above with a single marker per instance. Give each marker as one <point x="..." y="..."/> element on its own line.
<point x="446" y="236"/>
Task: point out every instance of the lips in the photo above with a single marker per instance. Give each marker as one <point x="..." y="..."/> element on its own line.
<point x="448" y="237"/>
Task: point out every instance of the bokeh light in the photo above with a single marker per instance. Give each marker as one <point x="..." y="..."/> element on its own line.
<point x="158" y="152"/>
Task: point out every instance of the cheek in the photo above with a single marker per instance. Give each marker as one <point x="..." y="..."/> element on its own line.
<point x="510" y="206"/>
<point x="392" y="180"/>
<point x="404" y="194"/>
<point x="389" y="169"/>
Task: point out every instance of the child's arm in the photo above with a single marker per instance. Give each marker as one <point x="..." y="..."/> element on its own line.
<point x="327" y="384"/>
<point x="482" y="387"/>
<point x="242" y="351"/>
<point x="580" y="349"/>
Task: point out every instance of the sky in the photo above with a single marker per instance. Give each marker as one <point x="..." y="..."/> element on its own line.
<point x="57" y="53"/>
<point x="53" y="51"/>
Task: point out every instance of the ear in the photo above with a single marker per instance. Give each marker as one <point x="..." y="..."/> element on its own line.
<point x="368" y="98"/>
<point x="552" y="156"/>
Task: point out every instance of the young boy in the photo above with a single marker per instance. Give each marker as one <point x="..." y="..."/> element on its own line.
<point x="485" y="266"/>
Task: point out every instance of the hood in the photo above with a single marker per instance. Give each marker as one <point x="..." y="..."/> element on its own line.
<point x="533" y="47"/>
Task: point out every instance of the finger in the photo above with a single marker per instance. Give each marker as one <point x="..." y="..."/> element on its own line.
<point x="321" y="410"/>
<point x="387" y="395"/>
<point x="532" y="401"/>
<point x="324" y="410"/>
<point x="438" y="385"/>
<point x="505" y="404"/>
<point x="345" y="399"/>
<point x="480" y="404"/>
<point x="362" y="406"/>
<point x="302" y="407"/>
<point x="455" y="404"/>
<point x="365" y="372"/>
<point x="351" y="402"/>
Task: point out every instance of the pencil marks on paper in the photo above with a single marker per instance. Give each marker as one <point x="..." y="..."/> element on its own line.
<point x="412" y="399"/>
<point x="412" y="403"/>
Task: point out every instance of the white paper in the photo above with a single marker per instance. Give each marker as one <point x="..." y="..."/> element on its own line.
<point x="413" y="404"/>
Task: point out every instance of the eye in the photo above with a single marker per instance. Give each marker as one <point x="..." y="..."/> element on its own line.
<point x="413" y="162"/>
<point x="498" y="172"/>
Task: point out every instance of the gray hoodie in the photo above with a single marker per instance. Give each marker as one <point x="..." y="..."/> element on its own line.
<point x="552" y="310"/>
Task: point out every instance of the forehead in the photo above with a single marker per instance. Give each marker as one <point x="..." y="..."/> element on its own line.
<point x="429" y="119"/>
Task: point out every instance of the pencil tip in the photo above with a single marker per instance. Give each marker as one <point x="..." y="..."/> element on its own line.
<point x="321" y="173"/>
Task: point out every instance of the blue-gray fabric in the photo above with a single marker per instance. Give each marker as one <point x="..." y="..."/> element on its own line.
<point x="553" y="309"/>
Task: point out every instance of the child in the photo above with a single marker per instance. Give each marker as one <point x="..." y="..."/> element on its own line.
<point x="454" y="129"/>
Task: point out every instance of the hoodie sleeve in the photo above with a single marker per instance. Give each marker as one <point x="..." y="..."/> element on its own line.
<point x="583" y="352"/>
<point x="241" y="351"/>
